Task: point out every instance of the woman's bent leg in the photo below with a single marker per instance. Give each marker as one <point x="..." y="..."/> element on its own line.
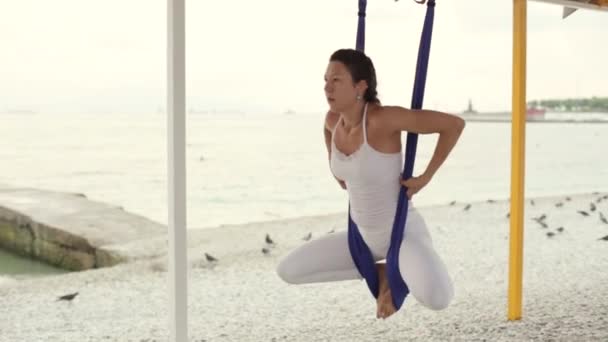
<point x="322" y="260"/>
<point x="421" y="267"/>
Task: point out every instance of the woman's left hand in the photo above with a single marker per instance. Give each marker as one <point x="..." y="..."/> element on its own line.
<point x="415" y="184"/>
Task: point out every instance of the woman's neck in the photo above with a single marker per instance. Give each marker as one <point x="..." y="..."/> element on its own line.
<point x="353" y="117"/>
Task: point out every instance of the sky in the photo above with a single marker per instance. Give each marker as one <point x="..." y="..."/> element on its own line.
<point x="270" y="55"/>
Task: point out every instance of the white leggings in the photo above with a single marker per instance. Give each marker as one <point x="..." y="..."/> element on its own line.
<point x="328" y="259"/>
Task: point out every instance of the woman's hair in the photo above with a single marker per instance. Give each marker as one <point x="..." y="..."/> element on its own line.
<point x="361" y="68"/>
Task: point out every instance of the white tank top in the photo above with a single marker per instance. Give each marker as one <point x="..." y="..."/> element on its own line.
<point x="372" y="182"/>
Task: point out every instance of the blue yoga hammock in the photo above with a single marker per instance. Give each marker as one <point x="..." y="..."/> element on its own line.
<point x="359" y="250"/>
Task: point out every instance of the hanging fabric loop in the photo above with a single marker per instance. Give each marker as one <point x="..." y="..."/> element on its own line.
<point x="360" y="252"/>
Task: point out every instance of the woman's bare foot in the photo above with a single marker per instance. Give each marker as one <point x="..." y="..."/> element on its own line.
<point x="385" y="299"/>
<point x="385" y="305"/>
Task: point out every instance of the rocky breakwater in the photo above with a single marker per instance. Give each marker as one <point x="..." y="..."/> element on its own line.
<point x="72" y="232"/>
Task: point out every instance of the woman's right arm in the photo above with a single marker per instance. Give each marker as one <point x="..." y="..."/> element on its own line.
<point x="327" y="133"/>
<point x="327" y="141"/>
<point x="330" y="122"/>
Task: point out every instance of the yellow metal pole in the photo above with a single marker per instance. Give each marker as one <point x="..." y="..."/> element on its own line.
<point x="518" y="135"/>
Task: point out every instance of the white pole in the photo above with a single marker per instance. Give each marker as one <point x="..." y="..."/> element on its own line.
<point x="176" y="158"/>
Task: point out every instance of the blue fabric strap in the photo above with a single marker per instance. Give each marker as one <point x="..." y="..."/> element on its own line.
<point x="360" y="252"/>
<point x="361" y="26"/>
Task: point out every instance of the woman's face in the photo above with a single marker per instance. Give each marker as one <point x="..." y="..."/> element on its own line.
<point x="340" y="91"/>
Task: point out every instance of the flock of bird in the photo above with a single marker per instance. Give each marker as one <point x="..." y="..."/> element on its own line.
<point x="269" y="243"/>
<point x="541" y="220"/>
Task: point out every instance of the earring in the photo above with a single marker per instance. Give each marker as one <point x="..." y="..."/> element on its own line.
<point x="358" y="97"/>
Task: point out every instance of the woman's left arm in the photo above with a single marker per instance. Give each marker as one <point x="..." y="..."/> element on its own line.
<point x="449" y="127"/>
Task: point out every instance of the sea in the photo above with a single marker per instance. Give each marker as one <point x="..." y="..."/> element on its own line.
<point x="244" y="168"/>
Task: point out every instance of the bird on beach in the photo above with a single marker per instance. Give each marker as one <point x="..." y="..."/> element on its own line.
<point x="568" y="198"/>
<point x="68" y="297"/>
<point x="603" y="218"/>
<point x="560" y="229"/>
<point x="269" y="240"/>
<point x="582" y="212"/>
<point x="605" y="238"/>
<point x="452" y="203"/>
<point x="559" y="204"/>
<point x="592" y="206"/>
<point x="265" y="251"/>
<point x="550" y="234"/>
<point x="467" y="207"/>
<point x="210" y="258"/>
<point x="491" y="201"/>
<point x="532" y="202"/>
<point x="307" y="237"/>
<point x="541" y="220"/>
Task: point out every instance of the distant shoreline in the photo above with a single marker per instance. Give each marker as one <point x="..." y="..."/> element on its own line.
<point x="469" y="119"/>
<point x="590" y="117"/>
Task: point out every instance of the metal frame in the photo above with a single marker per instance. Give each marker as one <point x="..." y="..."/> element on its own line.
<point x="575" y="4"/>
<point x="518" y="147"/>
<point x="176" y="160"/>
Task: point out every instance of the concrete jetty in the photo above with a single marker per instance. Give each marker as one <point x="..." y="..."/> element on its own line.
<point x="72" y="232"/>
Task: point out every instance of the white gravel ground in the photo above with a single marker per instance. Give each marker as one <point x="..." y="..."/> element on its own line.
<point x="242" y="299"/>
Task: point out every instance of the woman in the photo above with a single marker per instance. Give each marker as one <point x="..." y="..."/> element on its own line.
<point x="363" y="140"/>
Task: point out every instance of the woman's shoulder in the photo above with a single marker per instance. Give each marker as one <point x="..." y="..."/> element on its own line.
<point x="378" y="113"/>
<point x="331" y="119"/>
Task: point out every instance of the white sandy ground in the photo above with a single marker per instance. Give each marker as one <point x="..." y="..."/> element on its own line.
<point x="242" y="298"/>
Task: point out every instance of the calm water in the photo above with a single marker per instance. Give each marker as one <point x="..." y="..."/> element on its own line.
<point x="15" y="266"/>
<point x="244" y="168"/>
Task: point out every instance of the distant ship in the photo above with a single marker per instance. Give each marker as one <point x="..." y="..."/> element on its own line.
<point x="535" y="113"/>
